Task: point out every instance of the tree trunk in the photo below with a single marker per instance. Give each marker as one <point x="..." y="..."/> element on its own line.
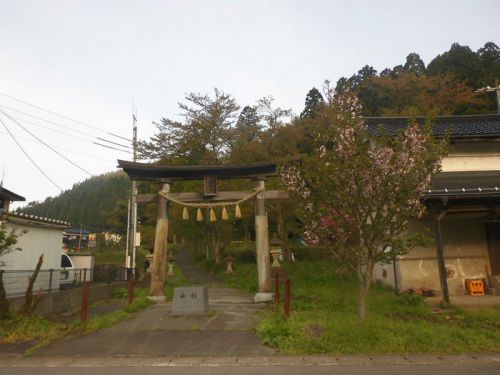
<point x="4" y="302"/>
<point x="365" y="282"/>
<point x="30" y="303"/>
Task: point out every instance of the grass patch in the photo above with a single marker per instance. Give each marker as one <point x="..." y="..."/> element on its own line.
<point x="116" y="256"/>
<point x="21" y="328"/>
<point x="244" y="277"/>
<point x="324" y="318"/>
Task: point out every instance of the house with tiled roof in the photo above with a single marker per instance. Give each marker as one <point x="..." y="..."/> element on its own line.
<point x="463" y="203"/>
<point x="37" y="236"/>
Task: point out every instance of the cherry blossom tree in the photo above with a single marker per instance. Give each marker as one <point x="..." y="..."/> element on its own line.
<point x="358" y="190"/>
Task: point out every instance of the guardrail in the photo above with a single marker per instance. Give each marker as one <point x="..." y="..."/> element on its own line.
<point x="48" y="280"/>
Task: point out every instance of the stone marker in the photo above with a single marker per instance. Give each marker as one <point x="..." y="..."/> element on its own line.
<point x="192" y="300"/>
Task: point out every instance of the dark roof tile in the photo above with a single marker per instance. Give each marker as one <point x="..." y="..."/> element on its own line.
<point x="475" y="126"/>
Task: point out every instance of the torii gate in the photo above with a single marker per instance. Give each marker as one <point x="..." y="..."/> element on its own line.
<point x="165" y="175"/>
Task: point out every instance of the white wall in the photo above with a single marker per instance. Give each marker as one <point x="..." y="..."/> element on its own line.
<point x="473" y="156"/>
<point x="35" y="242"/>
<point x="82" y="260"/>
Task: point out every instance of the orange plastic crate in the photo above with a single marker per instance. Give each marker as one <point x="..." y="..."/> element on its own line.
<point x="474" y="287"/>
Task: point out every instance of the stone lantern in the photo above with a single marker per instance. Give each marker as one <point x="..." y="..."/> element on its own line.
<point x="170" y="260"/>
<point x="229" y="261"/>
<point x="149" y="258"/>
<point x="276" y="250"/>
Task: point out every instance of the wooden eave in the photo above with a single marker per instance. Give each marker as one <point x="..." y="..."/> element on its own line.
<point x="11" y="196"/>
<point x="478" y="186"/>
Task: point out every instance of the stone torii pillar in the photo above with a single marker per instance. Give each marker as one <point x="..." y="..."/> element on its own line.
<point x="262" y="244"/>
<point x="158" y="269"/>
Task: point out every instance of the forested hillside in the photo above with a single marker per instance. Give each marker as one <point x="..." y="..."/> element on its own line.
<point x="98" y="203"/>
<point x="446" y="85"/>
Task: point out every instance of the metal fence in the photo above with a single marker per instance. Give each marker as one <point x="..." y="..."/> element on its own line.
<point x="16" y="281"/>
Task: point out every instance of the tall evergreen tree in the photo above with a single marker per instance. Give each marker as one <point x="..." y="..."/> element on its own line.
<point x="414" y="64"/>
<point x="460" y="61"/>
<point x="248" y="126"/>
<point x="313" y="100"/>
<point x="489" y="55"/>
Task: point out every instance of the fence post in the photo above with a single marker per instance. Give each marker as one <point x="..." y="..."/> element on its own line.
<point x="50" y="278"/>
<point x="287" y="297"/>
<point x="85" y="301"/>
<point x="85" y="274"/>
<point x="131" y="288"/>
<point x="277" y="290"/>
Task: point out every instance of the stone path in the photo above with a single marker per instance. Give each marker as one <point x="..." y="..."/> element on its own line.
<point x="227" y="330"/>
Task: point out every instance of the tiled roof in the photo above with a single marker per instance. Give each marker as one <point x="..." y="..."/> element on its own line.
<point x="37" y="219"/>
<point x="475" y="126"/>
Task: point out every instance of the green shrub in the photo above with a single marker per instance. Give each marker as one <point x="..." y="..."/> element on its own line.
<point x="411" y="299"/>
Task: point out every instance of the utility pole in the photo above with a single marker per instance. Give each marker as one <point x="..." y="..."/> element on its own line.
<point x="492" y="89"/>
<point x="127" y="245"/>
<point x="80" y="239"/>
<point x="133" y="204"/>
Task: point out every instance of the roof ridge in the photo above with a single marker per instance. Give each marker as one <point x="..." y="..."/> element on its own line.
<point x="424" y="117"/>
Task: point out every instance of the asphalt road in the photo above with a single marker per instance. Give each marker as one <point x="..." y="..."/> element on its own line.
<point x="493" y="369"/>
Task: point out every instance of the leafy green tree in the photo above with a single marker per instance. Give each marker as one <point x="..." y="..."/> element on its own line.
<point x="273" y="117"/>
<point x="367" y="71"/>
<point x="358" y="191"/>
<point x="313" y="101"/>
<point x="205" y="135"/>
<point x="460" y="61"/>
<point x="248" y="127"/>
<point x="489" y="55"/>
<point x="353" y="83"/>
<point x="387" y="72"/>
<point x="8" y="241"/>
<point x="414" y="64"/>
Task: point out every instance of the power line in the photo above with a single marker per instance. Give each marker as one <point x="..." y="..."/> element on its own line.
<point x="45" y="120"/>
<point x="30" y="159"/>
<point x="53" y="130"/>
<point x="114" y="143"/>
<point x="112" y="148"/>
<point x="68" y="134"/>
<point x="45" y="144"/>
<point x="64" y="149"/>
<point x="63" y="116"/>
<point x="62" y="126"/>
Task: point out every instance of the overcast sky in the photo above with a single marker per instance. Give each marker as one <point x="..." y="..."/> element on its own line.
<point x="91" y="60"/>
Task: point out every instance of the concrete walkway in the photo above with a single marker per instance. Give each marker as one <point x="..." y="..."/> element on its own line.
<point x="226" y="331"/>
